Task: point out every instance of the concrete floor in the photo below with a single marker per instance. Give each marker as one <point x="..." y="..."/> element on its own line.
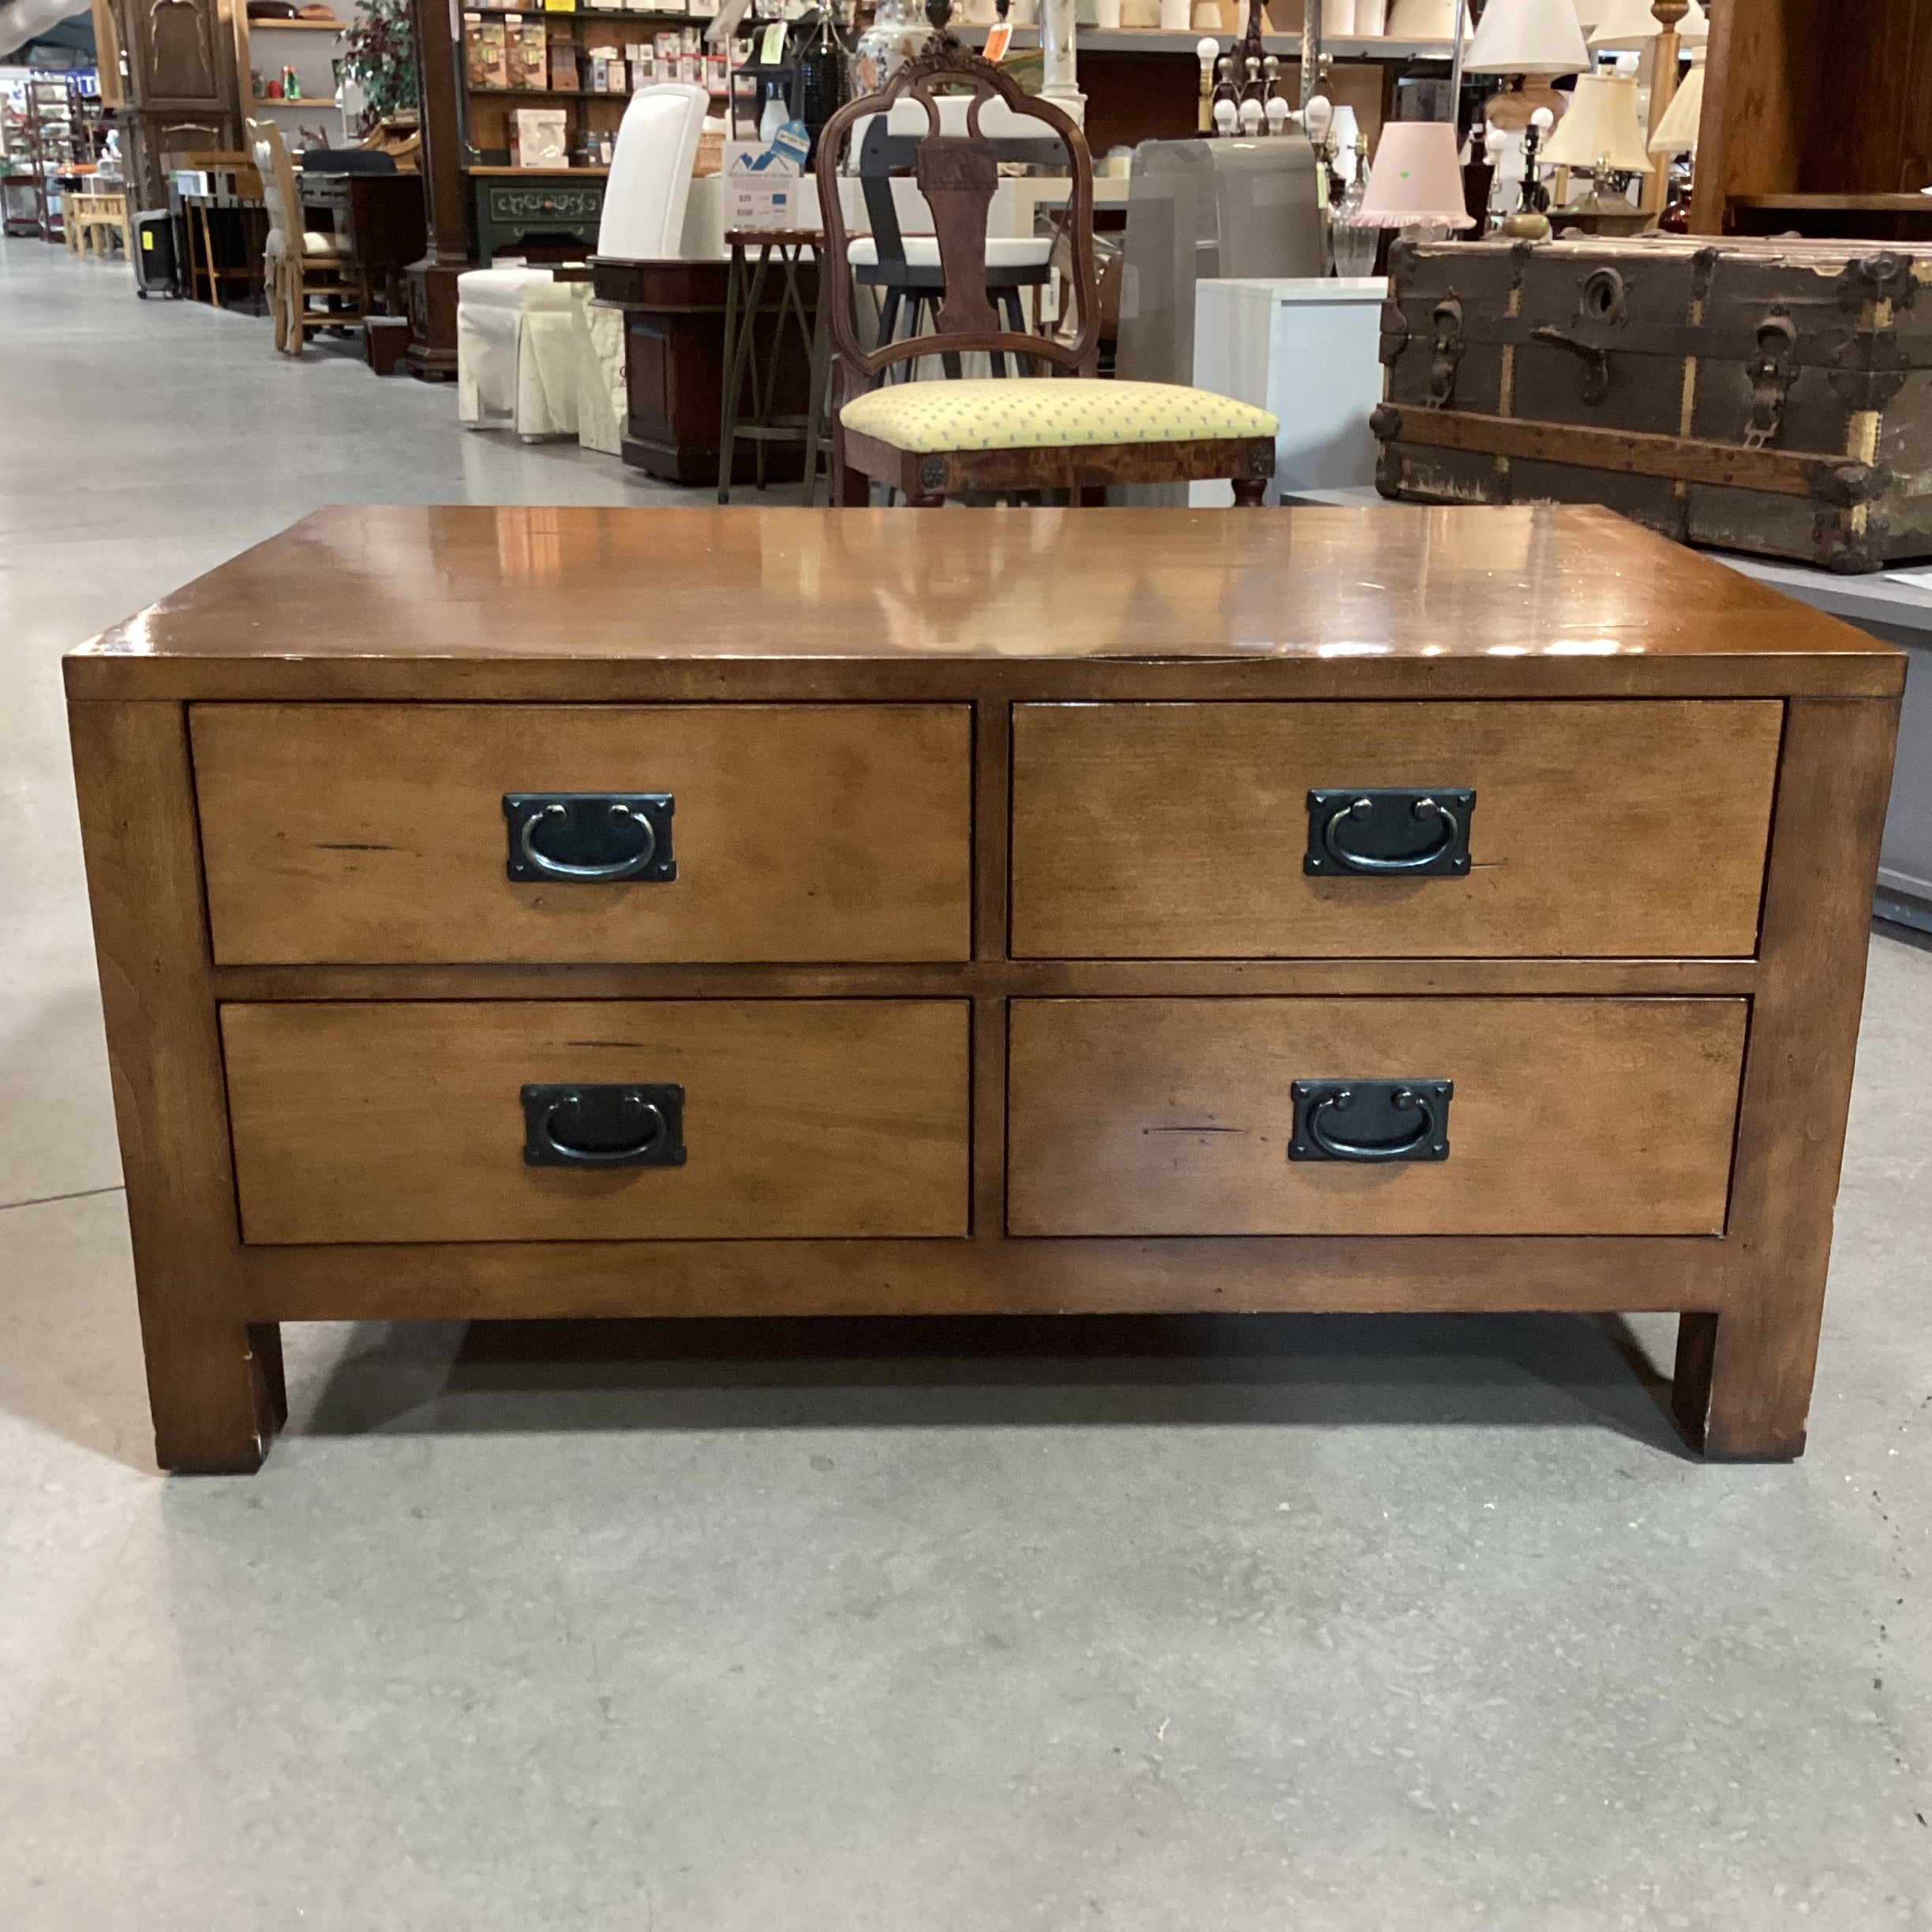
<point x="1190" y="1627"/>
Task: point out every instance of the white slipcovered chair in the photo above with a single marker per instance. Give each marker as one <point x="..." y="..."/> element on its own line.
<point x="525" y="356"/>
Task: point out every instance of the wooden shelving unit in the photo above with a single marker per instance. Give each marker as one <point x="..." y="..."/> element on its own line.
<point x="591" y="114"/>
<point x="491" y="172"/>
<point x="267" y="47"/>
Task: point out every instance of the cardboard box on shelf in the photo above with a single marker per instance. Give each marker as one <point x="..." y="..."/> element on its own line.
<point x="529" y="53"/>
<point x="539" y="137"/>
<point x="486" y="58"/>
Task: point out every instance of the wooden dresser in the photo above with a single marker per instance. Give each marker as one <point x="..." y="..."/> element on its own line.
<point x="577" y="912"/>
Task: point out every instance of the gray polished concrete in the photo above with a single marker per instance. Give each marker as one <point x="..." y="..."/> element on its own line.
<point x="1344" y="1626"/>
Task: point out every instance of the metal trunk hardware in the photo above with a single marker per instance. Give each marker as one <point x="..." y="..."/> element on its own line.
<point x="577" y="1124"/>
<point x="591" y="838"/>
<point x="1381" y="833"/>
<point x="1445" y="352"/>
<point x="1593" y="377"/>
<point x="1772" y="371"/>
<point x="1371" y="1121"/>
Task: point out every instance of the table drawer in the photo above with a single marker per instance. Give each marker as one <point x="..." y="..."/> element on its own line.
<point x="1632" y="828"/>
<point x="378" y="834"/>
<point x="1137" y="1116"/>
<point x="407" y="1121"/>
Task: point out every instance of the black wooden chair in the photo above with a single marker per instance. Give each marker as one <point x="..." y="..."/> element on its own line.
<point x="906" y="270"/>
<point x="1064" y="430"/>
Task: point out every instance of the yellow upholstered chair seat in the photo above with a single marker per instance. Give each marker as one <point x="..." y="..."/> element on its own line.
<point x="990" y="413"/>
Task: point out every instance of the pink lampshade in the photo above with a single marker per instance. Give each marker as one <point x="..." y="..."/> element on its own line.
<point x="1417" y="180"/>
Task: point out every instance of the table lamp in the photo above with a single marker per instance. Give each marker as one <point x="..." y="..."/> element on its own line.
<point x="1529" y="221"/>
<point x="1676" y="133"/>
<point x="1676" y="130"/>
<point x="1601" y="134"/>
<point x="1529" y="36"/>
<point x="1421" y="19"/>
<point x="1521" y="38"/>
<point x="1417" y="181"/>
<point x="1658" y="31"/>
<point x="1628" y="26"/>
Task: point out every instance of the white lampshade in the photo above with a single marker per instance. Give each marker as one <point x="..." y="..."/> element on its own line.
<point x="1601" y="129"/>
<point x="1623" y="25"/>
<point x="1421" y="19"/>
<point x="1417" y="180"/>
<point x="1677" y="133"/>
<point x="1343" y="128"/>
<point x="1528" y="36"/>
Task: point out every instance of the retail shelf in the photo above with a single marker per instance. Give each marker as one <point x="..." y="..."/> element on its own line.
<point x="1159" y="41"/>
<point x="594" y="17"/>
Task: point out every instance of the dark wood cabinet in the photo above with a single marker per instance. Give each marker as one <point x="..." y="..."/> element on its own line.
<point x="1817" y="116"/>
<point x="674" y="369"/>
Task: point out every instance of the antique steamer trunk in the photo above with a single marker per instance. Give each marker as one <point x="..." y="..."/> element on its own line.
<point x="1770" y="396"/>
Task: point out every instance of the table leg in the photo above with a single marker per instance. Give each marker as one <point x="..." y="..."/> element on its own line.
<point x="727" y="402"/>
<point x="817" y="383"/>
<point x="214" y="1377"/>
<point x="761" y="400"/>
<point x="1744" y="1372"/>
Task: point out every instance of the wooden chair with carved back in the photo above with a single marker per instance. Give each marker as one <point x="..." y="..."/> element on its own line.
<point x="1059" y="428"/>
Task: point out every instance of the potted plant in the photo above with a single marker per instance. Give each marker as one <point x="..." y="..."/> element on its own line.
<point x="380" y="56"/>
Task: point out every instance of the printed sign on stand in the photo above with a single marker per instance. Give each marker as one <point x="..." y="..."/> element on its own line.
<point x="763" y="179"/>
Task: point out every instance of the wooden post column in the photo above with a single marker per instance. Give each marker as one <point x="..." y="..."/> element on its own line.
<point x="1664" y="50"/>
<point x="431" y="282"/>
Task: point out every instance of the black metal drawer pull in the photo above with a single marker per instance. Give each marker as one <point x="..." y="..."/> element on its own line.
<point x="1371" y="1121"/>
<point x="581" y="1125"/>
<point x="593" y="838"/>
<point x="1381" y="833"/>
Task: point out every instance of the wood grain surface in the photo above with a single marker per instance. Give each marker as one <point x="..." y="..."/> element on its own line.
<point x="401" y="1122"/>
<point x="482" y="1280"/>
<point x="1175" y="831"/>
<point x="375" y="833"/>
<point x="1166" y="1117"/>
<point x="548" y="605"/>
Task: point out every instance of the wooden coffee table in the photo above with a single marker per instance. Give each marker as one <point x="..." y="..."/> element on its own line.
<point x="581" y="912"/>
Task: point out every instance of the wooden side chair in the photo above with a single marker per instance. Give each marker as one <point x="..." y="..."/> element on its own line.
<point x="1063" y="429"/>
<point x="299" y="265"/>
<point x="97" y="218"/>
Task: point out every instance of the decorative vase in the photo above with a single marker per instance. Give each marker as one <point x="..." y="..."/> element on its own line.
<point x="899" y="30"/>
